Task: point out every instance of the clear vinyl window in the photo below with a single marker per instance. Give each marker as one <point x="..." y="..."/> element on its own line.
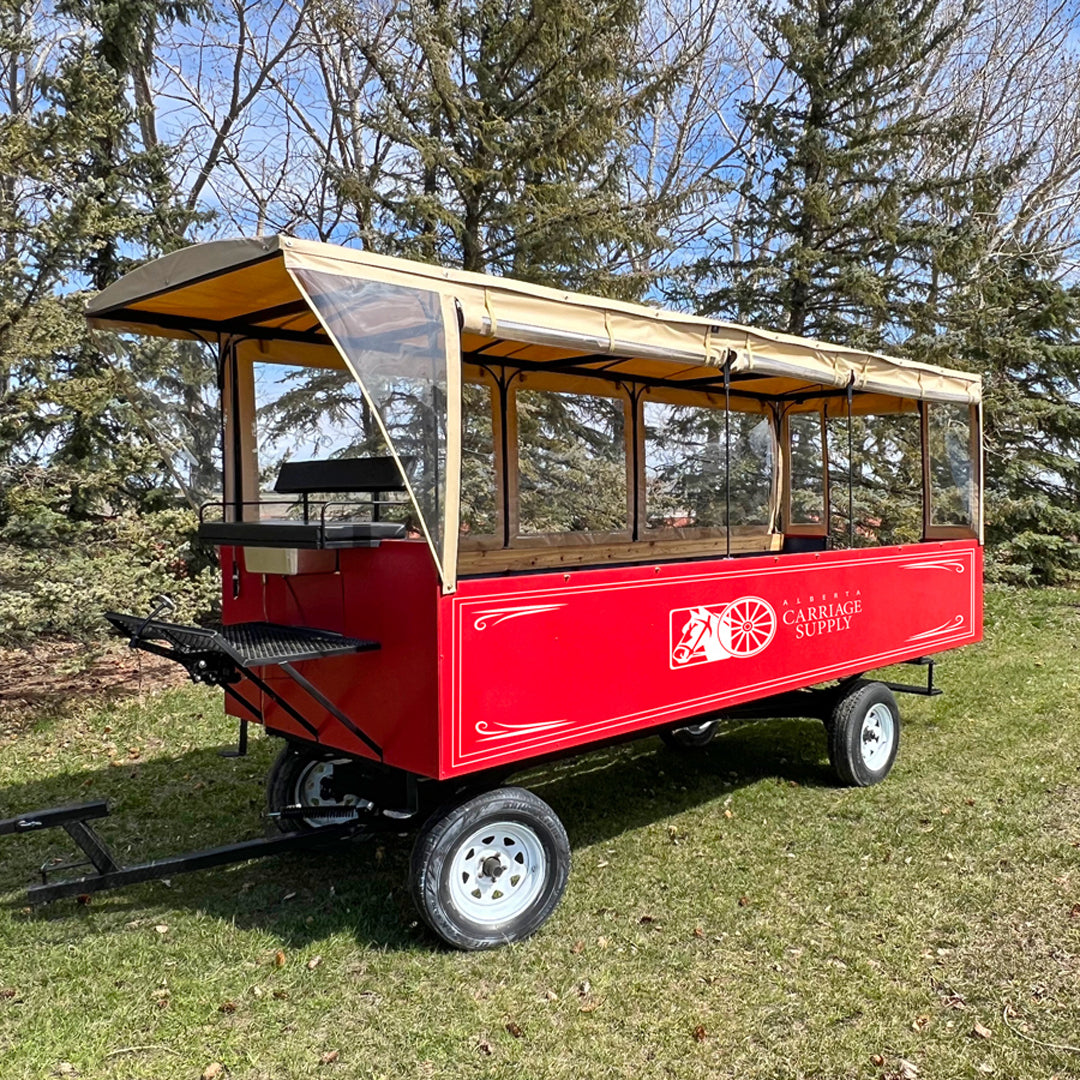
<point x="687" y="462"/>
<point x="885" y="475"/>
<point x="479" y="491"/>
<point x="571" y="463"/>
<point x="952" y="472"/>
<point x="394" y="340"/>
<point x="806" y="456"/>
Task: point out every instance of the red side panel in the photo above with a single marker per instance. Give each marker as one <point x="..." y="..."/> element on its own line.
<point x="386" y="594"/>
<point x="539" y="663"/>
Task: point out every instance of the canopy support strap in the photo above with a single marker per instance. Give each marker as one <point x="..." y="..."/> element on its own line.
<point x="850" y="466"/>
<point x="727" y="450"/>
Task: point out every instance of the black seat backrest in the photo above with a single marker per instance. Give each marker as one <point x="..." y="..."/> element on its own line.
<point x="373" y="474"/>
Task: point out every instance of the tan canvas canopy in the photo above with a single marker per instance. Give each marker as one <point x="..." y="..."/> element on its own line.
<point x="297" y="302"/>
<point x="247" y="287"/>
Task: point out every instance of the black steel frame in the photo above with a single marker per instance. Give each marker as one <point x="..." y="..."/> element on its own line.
<point x="109" y="874"/>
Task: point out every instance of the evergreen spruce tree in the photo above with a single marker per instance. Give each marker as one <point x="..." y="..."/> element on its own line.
<point x="832" y="226"/>
<point x="1011" y="319"/>
<point x="81" y="199"/>
<point x="499" y="135"/>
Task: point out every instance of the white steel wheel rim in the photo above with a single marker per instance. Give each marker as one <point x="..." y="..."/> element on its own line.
<point x="747" y="626"/>
<point x="876" y="737"/>
<point x="308" y="790"/>
<point x="497" y="872"/>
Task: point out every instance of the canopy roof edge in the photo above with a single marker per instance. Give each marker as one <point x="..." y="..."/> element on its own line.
<point x="183" y="268"/>
<point x="152" y="298"/>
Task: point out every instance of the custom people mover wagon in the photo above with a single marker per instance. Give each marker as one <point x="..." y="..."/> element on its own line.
<point x="469" y="523"/>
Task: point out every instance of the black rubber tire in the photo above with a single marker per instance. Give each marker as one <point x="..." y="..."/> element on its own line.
<point x="439" y="840"/>
<point x="845" y="731"/>
<point x="690" y="736"/>
<point x="283" y="780"/>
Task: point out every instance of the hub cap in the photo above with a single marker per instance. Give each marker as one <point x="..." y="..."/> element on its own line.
<point x="497" y="872"/>
<point x="876" y="741"/>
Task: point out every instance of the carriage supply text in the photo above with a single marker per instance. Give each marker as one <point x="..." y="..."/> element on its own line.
<point x="816" y="620"/>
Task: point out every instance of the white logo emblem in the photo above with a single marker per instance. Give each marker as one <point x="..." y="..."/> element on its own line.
<point x="700" y="635"/>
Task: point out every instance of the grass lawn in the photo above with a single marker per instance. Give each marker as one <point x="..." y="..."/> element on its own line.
<point x="730" y="913"/>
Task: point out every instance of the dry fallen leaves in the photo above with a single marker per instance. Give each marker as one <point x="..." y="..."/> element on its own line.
<point x="212" y="1071"/>
<point x="227" y="1007"/>
<point x="700" y="1034"/>
<point x="980" y="1031"/>
<point x="161" y="928"/>
<point x="577" y="947"/>
<point x="743" y="901"/>
<point x="329" y="1057"/>
<point x="920" y="1023"/>
<point x="515" y="1030"/>
<point x="314" y="962"/>
<point x="279" y="958"/>
<point x="8" y="992"/>
<point x="483" y="1047"/>
<point x="551" y="995"/>
<point x="877" y="1060"/>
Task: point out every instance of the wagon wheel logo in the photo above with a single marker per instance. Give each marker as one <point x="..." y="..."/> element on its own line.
<point x="747" y="625"/>
<point x="740" y="629"/>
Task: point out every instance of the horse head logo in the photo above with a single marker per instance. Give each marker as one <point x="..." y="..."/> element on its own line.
<point x="706" y="633"/>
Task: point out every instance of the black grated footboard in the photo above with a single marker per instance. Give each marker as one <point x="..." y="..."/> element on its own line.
<point x="247" y="645"/>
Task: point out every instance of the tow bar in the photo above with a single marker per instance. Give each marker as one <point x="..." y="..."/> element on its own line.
<point x="343" y="822"/>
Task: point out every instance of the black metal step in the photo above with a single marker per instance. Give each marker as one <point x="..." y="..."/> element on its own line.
<point x="248" y="645"/>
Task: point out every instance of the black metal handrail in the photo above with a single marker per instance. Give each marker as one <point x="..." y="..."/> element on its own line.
<point x="303" y="503"/>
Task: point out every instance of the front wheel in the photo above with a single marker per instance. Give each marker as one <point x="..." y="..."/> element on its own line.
<point x="864" y="734"/>
<point x="491" y="869"/>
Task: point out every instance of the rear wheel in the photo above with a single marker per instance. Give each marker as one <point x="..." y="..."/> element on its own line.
<point x="690" y="736"/>
<point x="864" y="734"/>
<point x="491" y="869"/>
<point x="313" y="778"/>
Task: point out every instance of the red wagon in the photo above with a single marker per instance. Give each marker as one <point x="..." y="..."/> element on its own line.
<point x="468" y="523"/>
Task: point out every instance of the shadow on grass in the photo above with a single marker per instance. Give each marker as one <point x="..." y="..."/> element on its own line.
<point x="165" y="806"/>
